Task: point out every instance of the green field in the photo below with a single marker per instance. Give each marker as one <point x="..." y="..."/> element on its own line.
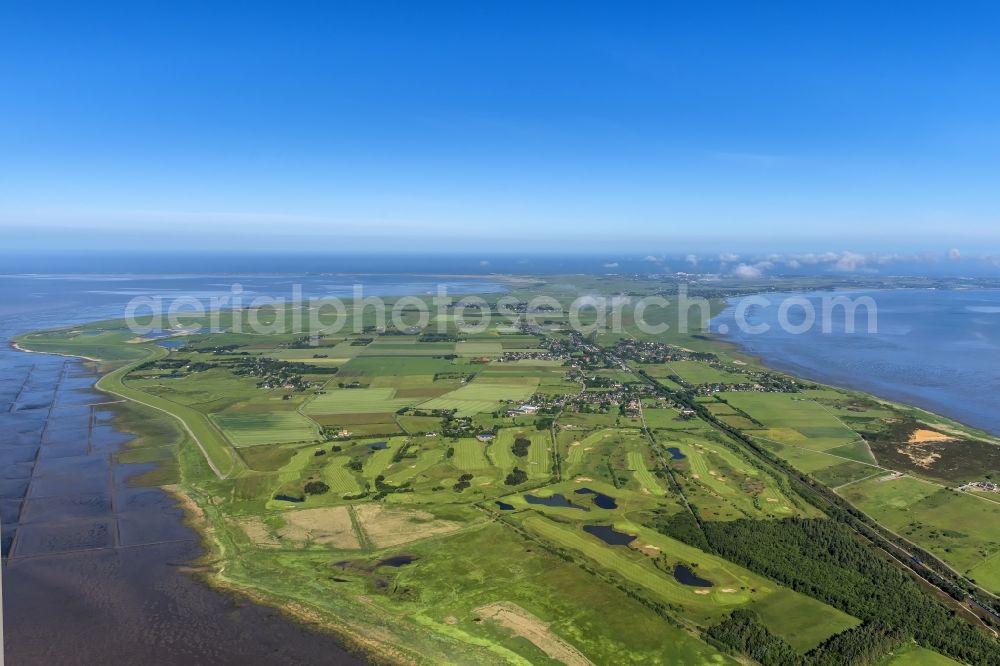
<point x="470" y="455"/>
<point x="649" y="483"/>
<point x="962" y="529"/>
<point x="789" y="418"/>
<point x="356" y="401"/>
<point x="341" y="480"/>
<point x="266" y="428"/>
<point x="695" y="372"/>
<point x="483" y="396"/>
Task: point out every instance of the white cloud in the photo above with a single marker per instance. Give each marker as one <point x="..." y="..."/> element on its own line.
<point x="650" y="257"/>
<point x="747" y="271"/>
<point x="850" y="262"/>
<point x="692" y="259"/>
<point x="611" y="264"/>
<point x="484" y="263"/>
<point x="954" y="253"/>
<point x="728" y="257"/>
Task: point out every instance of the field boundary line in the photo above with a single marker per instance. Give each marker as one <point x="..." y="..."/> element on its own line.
<point x="864" y="478"/>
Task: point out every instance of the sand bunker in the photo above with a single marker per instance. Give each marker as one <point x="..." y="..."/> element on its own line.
<point x="524" y="624"/>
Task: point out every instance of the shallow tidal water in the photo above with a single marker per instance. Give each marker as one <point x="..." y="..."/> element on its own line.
<point x="94" y="568"/>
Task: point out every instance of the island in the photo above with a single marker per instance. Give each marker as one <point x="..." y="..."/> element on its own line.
<point x="529" y="492"/>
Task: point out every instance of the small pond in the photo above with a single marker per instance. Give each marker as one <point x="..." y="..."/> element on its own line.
<point x="609" y="535"/>
<point x="504" y="506"/>
<point x="675" y="453"/>
<point x="685" y="576"/>
<point x="396" y="561"/>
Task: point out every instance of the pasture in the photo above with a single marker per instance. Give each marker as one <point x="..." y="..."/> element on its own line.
<point x="255" y="429"/>
<point x="356" y="401"/>
<point x="961" y="529"/>
<point x="697" y="372"/>
<point x="792" y="419"/>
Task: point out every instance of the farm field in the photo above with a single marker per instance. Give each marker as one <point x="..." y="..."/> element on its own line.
<point x="356" y="401"/>
<point x="259" y="428"/>
<point x="695" y="372"/>
<point x="790" y="419"/>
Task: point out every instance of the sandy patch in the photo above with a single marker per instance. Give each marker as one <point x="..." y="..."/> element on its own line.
<point x="387" y="527"/>
<point x="582" y="479"/>
<point x="702" y="592"/>
<point x="920" y="459"/>
<point x="575" y="444"/>
<point x="329" y="525"/>
<point x="695" y="476"/>
<point x="728" y="590"/>
<point x="257" y="531"/>
<point x="921" y="436"/>
<point x="915" y="451"/>
<point x="712" y="472"/>
<point x="651" y="547"/>
<point x="588" y="448"/>
<point x="451" y="619"/>
<point x="771" y="499"/>
<point x="891" y="477"/>
<point x="526" y="625"/>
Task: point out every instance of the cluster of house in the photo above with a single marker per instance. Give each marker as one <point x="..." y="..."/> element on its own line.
<point x="520" y="355"/>
<point x="983" y="486"/>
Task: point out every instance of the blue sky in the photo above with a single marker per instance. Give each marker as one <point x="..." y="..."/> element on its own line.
<point x="659" y="127"/>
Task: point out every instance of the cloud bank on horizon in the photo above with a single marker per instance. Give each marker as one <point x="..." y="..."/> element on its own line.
<point x="752" y="266"/>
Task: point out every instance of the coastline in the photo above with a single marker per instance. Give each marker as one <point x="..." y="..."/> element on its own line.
<point x="781" y="358"/>
<point x="211" y="574"/>
<point x="250" y="609"/>
<point x="19" y="348"/>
